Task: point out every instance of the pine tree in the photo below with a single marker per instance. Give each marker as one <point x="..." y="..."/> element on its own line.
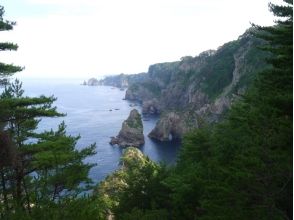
<point x="7" y="70"/>
<point x="46" y="167"/>
<point x="7" y="147"/>
<point x="42" y="175"/>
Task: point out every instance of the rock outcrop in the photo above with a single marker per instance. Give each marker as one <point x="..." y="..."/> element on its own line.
<point x="170" y="127"/>
<point x="151" y="107"/>
<point x="131" y="133"/>
<point x="93" y="82"/>
<point x="142" y="93"/>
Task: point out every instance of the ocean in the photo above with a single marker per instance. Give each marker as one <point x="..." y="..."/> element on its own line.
<point x="96" y="113"/>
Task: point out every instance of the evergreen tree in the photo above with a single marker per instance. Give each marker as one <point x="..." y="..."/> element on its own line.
<point x="145" y="189"/>
<point x="42" y="175"/>
<point x="46" y="167"/>
<point x="7" y="69"/>
<point x="242" y="168"/>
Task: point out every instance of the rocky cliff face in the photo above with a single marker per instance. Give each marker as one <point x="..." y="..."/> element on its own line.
<point x="122" y="80"/>
<point x="173" y="125"/>
<point x="131" y="133"/>
<point x="170" y="127"/>
<point x="151" y="107"/>
<point x="197" y="89"/>
<point x="201" y="88"/>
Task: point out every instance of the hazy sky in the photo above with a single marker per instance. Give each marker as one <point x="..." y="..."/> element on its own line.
<point x="85" y="38"/>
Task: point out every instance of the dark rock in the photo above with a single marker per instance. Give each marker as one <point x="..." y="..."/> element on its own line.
<point x="93" y="82"/>
<point x="131" y="133"/>
<point x="170" y="127"/>
<point x="151" y="107"/>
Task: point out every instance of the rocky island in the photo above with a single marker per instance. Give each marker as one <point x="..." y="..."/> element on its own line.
<point x="131" y="133"/>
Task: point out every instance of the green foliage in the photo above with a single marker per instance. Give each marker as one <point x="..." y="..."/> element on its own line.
<point x="255" y="62"/>
<point x="145" y="189"/>
<point x="162" y="71"/>
<point x="8" y="46"/>
<point x="152" y="87"/>
<point x="45" y="167"/>
<point x="134" y="87"/>
<point x="238" y="169"/>
<point x="5" y="25"/>
<point x="86" y="208"/>
<point x="7" y="69"/>
<point x="218" y="72"/>
<point x="211" y="73"/>
<point x="135" y="122"/>
<point x="188" y="76"/>
<point x="137" y="189"/>
<point x="242" y="168"/>
<point x="42" y="175"/>
<point x="136" y="214"/>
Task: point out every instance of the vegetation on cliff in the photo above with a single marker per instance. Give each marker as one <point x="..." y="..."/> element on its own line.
<point x="206" y="85"/>
<point x="131" y="133"/>
<point x="212" y="71"/>
<point x="135" y="187"/>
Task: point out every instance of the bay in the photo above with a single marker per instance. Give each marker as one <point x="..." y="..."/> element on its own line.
<point x="96" y="113"/>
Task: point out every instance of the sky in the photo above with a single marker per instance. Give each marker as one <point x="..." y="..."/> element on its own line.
<point x="95" y="38"/>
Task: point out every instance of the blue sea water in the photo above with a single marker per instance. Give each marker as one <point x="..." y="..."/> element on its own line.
<point x="91" y="113"/>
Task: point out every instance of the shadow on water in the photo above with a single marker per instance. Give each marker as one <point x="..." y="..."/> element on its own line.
<point x="156" y="150"/>
<point x="165" y="152"/>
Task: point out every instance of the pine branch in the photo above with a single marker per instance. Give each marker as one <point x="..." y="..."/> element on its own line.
<point x="6" y="26"/>
<point x="9" y="69"/>
<point x="8" y="46"/>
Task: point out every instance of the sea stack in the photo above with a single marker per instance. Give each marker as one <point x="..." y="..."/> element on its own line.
<point x="131" y="133"/>
<point x="93" y="82"/>
<point x="170" y="127"/>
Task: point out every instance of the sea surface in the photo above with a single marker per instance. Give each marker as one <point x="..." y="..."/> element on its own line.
<point x="96" y="113"/>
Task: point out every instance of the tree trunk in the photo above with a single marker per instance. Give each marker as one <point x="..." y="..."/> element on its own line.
<point x="18" y="186"/>
<point x="27" y="196"/>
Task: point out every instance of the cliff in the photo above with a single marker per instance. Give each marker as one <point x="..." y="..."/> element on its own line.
<point x="122" y="80"/>
<point x="197" y="89"/>
<point x="200" y="89"/>
<point x="131" y="133"/>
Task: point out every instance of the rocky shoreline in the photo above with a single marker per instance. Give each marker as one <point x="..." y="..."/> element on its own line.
<point x="195" y="90"/>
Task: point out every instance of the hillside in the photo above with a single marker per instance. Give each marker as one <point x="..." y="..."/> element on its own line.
<point x="194" y="90"/>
